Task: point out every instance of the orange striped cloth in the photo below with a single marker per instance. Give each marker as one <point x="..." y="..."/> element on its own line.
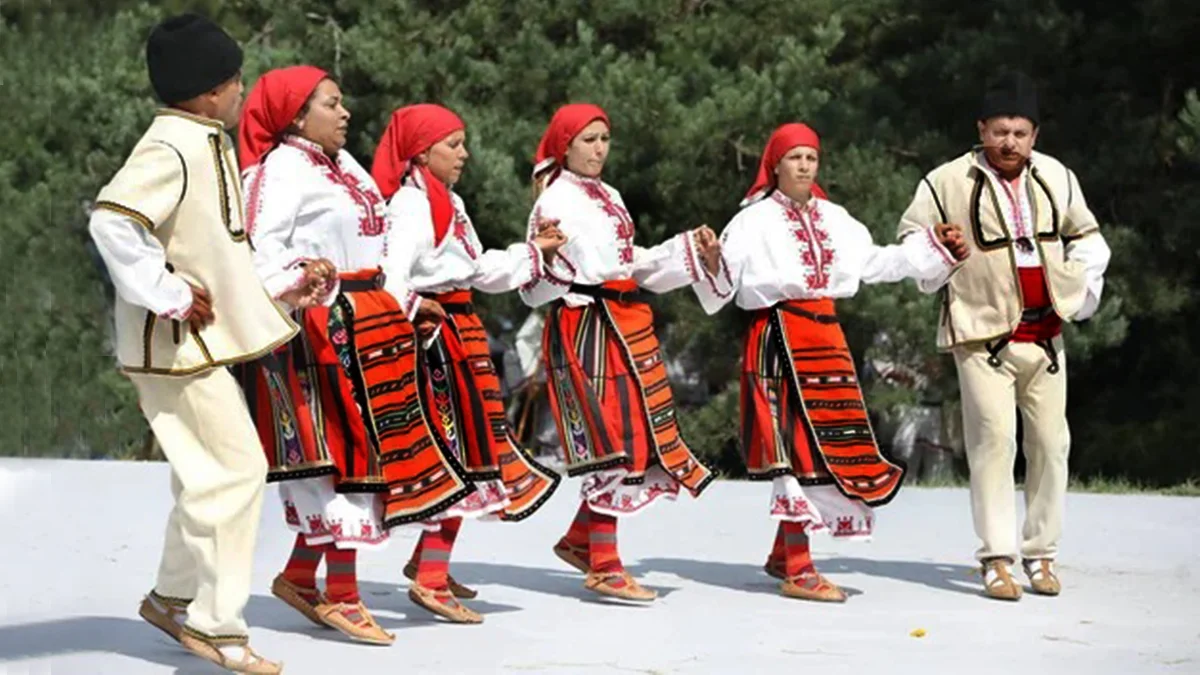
<point x="342" y="399"/>
<point x="468" y="411"/>
<point x="609" y="391"/>
<point x="304" y="408"/>
<point x="383" y="364"/>
<point x="801" y="407"/>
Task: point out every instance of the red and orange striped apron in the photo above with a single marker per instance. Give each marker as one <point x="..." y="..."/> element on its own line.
<point x="342" y="399"/>
<point x="609" y="391"/>
<point x="468" y="410"/>
<point x="802" y="409"/>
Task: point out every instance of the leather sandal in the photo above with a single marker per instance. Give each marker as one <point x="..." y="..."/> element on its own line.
<point x="250" y="661"/>
<point x="998" y="582"/>
<point x="308" y="601"/>
<point x="812" y="586"/>
<point x="459" y="591"/>
<point x="1042" y="577"/>
<point x="443" y="604"/>
<point x="355" y="622"/>
<point x="618" y="585"/>
<point x="575" y="556"/>
<point x="165" y="614"/>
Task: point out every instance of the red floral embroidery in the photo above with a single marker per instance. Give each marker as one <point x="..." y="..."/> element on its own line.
<point x="366" y="198"/>
<point x="791" y="506"/>
<point x="690" y="255"/>
<point x="290" y="515"/>
<point x="622" y="223"/>
<point x="462" y="232"/>
<point x="814" y="240"/>
<point x="316" y="524"/>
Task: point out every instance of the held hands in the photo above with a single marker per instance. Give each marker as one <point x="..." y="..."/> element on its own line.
<point x="429" y="315"/>
<point x="549" y="238"/>
<point x="951" y="236"/>
<point x="201" y="313"/>
<point x="320" y="275"/>
<point x="709" y="247"/>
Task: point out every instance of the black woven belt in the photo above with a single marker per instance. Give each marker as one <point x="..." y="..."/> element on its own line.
<point x="363" y="285"/>
<point x="1037" y="314"/>
<point x="458" y="307"/>
<point x="819" y="318"/>
<point x="609" y="294"/>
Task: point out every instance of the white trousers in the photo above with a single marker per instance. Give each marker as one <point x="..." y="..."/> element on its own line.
<point x="218" y="471"/>
<point x="990" y="398"/>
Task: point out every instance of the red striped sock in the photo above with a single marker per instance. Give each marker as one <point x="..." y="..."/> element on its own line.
<point x="577" y="534"/>
<point x="341" y="575"/>
<point x="302" y="566"/>
<point x="434" y="562"/>
<point x="778" y="553"/>
<point x="416" y="554"/>
<point x="602" y="543"/>
<point x="797" y="555"/>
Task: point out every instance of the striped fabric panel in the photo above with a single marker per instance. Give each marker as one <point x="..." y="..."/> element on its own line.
<point x="802" y="408"/>
<point x="418" y="480"/>
<point x="485" y="441"/>
<point x="292" y="395"/>
<point x="610" y="395"/>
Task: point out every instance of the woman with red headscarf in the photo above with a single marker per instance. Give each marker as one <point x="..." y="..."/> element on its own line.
<point x="788" y="254"/>
<point x="433" y="244"/>
<point x="338" y="413"/>
<point x="606" y="376"/>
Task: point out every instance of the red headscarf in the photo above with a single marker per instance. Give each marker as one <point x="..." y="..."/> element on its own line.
<point x="783" y="140"/>
<point x="566" y="124"/>
<point x="412" y="130"/>
<point x="271" y="107"/>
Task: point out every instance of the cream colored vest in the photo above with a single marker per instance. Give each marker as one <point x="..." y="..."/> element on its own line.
<point x="181" y="183"/>
<point x="982" y="301"/>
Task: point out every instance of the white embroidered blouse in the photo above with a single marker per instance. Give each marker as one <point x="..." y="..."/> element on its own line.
<point x="776" y="250"/>
<point x="459" y="261"/>
<point x="302" y="204"/>
<point x="600" y="246"/>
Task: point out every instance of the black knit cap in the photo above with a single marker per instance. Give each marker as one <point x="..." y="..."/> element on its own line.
<point x="188" y="55"/>
<point x="1011" y="94"/>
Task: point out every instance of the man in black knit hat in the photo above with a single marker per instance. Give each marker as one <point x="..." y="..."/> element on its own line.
<point x="169" y="227"/>
<point x="1037" y="260"/>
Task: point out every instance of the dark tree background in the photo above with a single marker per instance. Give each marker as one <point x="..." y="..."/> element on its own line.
<point x="693" y="87"/>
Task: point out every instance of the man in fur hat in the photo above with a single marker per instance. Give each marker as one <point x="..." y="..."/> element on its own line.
<point x="1037" y="260"/>
<point x="169" y="227"/>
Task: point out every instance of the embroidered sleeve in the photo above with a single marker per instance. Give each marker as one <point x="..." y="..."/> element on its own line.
<point x="720" y="284"/>
<point x="501" y="271"/>
<point x="714" y="291"/>
<point x="670" y="265"/>
<point x="409" y="233"/>
<point x="149" y="186"/>
<point x="272" y="205"/>
<point x="553" y="280"/>
<point x="137" y="265"/>
<point x="919" y="256"/>
<point x="409" y="300"/>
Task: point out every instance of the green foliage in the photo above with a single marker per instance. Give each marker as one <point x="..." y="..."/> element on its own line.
<point x="694" y="88"/>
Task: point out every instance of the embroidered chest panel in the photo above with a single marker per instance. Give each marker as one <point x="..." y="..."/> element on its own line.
<point x="366" y="198"/>
<point x="461" y="229"/>
<point x="812" y="240"/>
<point x="616" y="213"/>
